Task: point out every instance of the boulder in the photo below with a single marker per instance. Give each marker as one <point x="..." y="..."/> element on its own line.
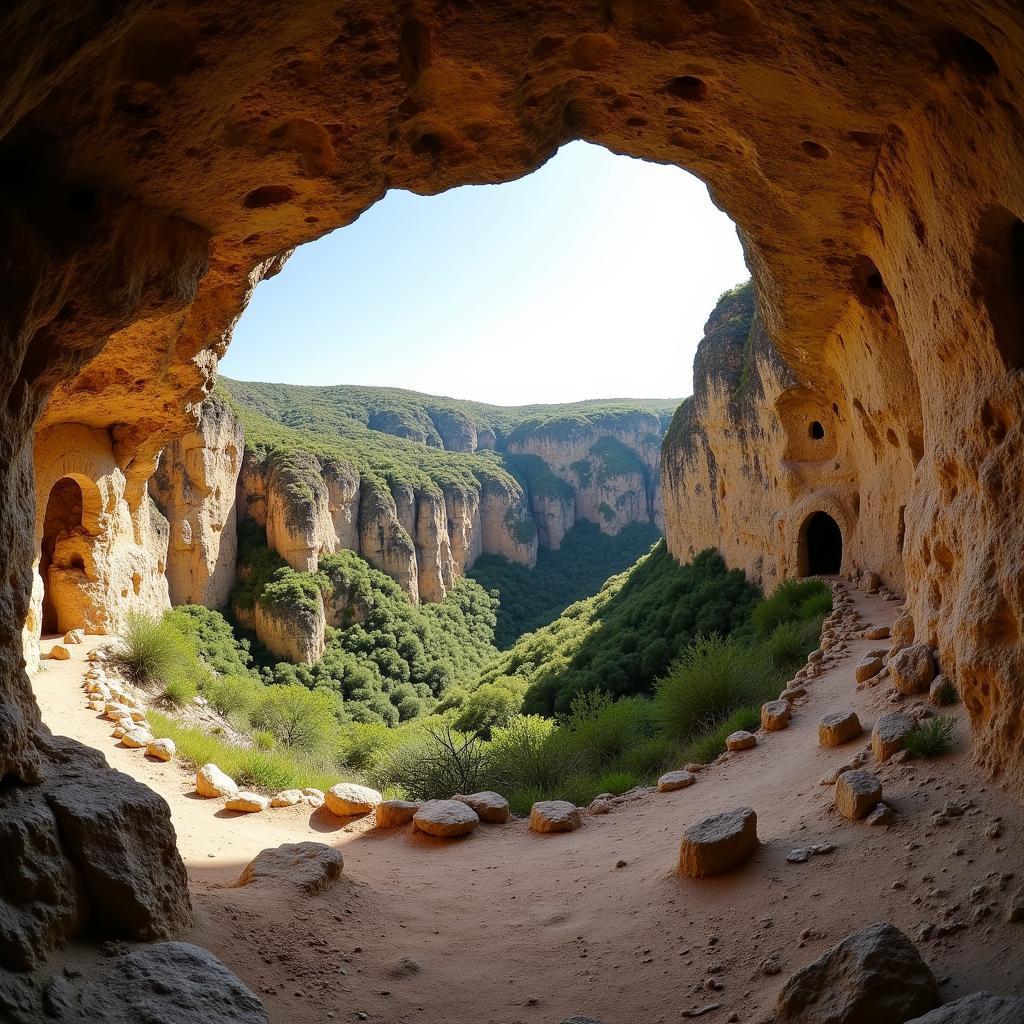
<point x="857" y="793"/>
<point x="902" y="632"/>
<point x="445" y="819"/>
<point x="793" y="692"/>
<point x="870" y="582"/>
<point x="913" y="669"/>
<point x="671" y="781"/>
<point x="392" y="813"/>
<point x="166" y="981"/>
<point x="555" y="816"/>
<point x="309" y="867"/>
<point x="978" y="1008"/>
<point x="74" y="636"/>
<point x="489" y="807"/>
<point x="162" y="750"/>
<point x="875" y="976"/>
<point x="347" y="799"/>
<point x="836" y="729"/>
<point x="212" y="782"/>
<point x="58" y="652"/>
<point x="740" y="740"/>
<point x="941" y="691"/>
<point x="867" y="669"/>
<point x="246" y="802"/>
<point x="313" y="796"/>
<point x="286" y="798"/>
<point x="890" y="734"/>
<point x="137" y="738"/>
<point x="599" y="806"/>
<point x="718" y="843"/>
<point x="775" y="715"/>
<point x="876" y="633"/>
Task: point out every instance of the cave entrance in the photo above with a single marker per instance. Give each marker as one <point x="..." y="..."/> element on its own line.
<point x="62" y="556"/>
<point x="821" y="546"/>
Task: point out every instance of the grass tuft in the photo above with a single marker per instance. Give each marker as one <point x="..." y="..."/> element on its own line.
<point x="932" y="737"/>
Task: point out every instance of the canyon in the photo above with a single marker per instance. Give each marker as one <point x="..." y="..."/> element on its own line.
<point x="159" y="160"/>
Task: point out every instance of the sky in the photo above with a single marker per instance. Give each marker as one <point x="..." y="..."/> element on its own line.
<point x="590" y="278"/>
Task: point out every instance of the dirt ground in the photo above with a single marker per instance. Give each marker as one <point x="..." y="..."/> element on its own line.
<point x="509" y="927"/>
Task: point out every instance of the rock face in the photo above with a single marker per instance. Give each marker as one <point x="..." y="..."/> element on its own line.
<point x="149" y="193"/>
<point x="718" y="843"/>
<point x="873" y="975"/>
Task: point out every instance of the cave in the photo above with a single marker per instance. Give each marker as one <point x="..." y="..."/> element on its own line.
<point x="61" y="521"/>
<point x="821" y="546"/>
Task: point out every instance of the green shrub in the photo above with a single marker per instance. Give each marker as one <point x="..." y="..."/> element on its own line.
<point x="181" y="689"/>
<point x="706" y="747"/>
<point x="789" y="643"/>
<point x="932" y="737"/>
<point x="612" y="782"/>
<point x="708" y="683"/>
<point x="488" y="707"/>
<point x="530" y="753"/>
<point x="602" y="730"/>
<point x="946" y="694"/>
<point x="153" y="652"/>
<point x="235" y="697"/>
<point x="647" y="757"/>
<point x="434" y="765"/>
<point x="296" y="717"/>
<point x="791" y="601"/>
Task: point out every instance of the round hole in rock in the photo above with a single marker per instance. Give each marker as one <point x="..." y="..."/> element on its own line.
<point x="821" y="546"/>
<point x="687" y="87"/>
<point x="268" y="195"/>
<point x="816" y="431"/>
<point x="815" y="149"/>
<point x="965" y="53"/>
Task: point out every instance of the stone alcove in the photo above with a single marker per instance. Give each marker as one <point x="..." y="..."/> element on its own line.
<point x="810" y="426"/>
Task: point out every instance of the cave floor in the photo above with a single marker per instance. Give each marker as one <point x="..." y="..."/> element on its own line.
<point x="509" y="927"/>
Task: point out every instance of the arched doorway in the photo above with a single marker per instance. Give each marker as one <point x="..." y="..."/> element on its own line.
<point x="821" y="546"/>
<point x="59" y="555"/>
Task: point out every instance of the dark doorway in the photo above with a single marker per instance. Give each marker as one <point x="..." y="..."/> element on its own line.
<point x="63" y="516"/>
<point x="823" y="545"/>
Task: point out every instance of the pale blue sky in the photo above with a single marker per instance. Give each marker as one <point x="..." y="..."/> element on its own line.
<point x="590" y="278"/>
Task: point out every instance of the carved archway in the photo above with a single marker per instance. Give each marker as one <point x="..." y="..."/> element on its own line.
<point x="820" y="546"/>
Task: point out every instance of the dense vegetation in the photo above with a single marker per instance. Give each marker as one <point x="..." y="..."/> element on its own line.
<point x="531" y="598"/>
<point x="625" y="636"/>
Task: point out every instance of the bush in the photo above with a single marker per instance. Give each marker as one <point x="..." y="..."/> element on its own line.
<point x="789" y="643"/>
<point x="602" y="730"/>
<point x="181" y="689"/>
<point x="235" y="697"/>
<point x="707" y="747"/>
<point x="531" y="754"/>
<point x="932" y="737"/>
<point x="946" y="694"/>
<point x="297" y="717"/>
<point x="153" y="652"/>
<point x="491" y="705"/>
<point x="435" y="765"/>
<point x="791" y="601"/>
<point x="708" y="683"/>
<point x="616" y="783"/>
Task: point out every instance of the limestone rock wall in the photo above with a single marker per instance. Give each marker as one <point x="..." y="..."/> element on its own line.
<point x="195" y="488"/>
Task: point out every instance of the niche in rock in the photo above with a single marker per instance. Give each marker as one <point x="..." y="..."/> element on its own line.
<point x="821" y="546"/>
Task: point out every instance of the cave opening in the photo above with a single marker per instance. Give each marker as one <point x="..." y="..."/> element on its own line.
<point x="821" y="546"/>
<point x="62" y="525"/>
<point x="999" y="264"/>
<point x="817" y="431"/>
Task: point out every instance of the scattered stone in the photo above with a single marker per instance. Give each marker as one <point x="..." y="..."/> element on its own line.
<point x="347" y="799"/>
<point x="392" y="813"/>
<point x="162" y="750"/>
<point x="792" y="693"/>
<point x="599" y="806"/>
<point x="873" y="975"/>
<point x="58" y="652"/>
<point x="95" y="705"/>
<point x="771" y="966"/>
<point x="246" y="802"/>
<point x="580" y="1020"/>
<point x="876" y="633"/>
<point x="913" y="669"/>
<point x="692" y="766"/>
<point x="857" y="794"/>
<point x="445" y="819"/>
<point x="137" y="738"/>
<point x="867" y="669"/>
<point x="821" y="849"/>
<point x="890" y="734"/>
<point x="212" y="782"/>
<point x="1015" y="911"/>
<point x="718" y="843"/>
<point x="555" y="816"/>
<point x="775" y="715"/>
<point x="881" y="815"/>
<point x="699" y="1011"/>
<point x="309" y="866"/>
<point x="740" y="740"/>
<point x="74" y="636"/>
<point x="137" y="715"/>
<point x="671" y="781"/>
<point x="313" y="796"/>
<point x="286" y="798"/>
<point x="978" y="1008"/>
<point x="801" y="855"/>
<point x="489" y="807"/>
<point x="839" y="728"/>
<point x="870" y="582"/>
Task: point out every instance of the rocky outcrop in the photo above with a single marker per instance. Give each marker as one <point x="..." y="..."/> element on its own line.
<point x="292" y="631"/>
<point x="195" y="489"/>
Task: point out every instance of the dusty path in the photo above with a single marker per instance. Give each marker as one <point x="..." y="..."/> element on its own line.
<point x="506" y="926"/>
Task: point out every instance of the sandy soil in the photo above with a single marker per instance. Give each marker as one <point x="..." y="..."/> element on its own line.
<point x="507" y="926"/>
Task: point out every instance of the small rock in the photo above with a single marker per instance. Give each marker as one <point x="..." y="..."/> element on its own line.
<point x="309" y="866"/>
<point x="876" y="633"/>
<point x="162" y="749"/>
<point x="599" y="806"/>
<point x="246" y="802"/>
<point x="771" y="966"/>
<point x="740" y="740"/>
<point x="286" y="798"/>
<point x="555" y="816"/>
<point x="445" y="819"/>
<point x="913" y="669"/>
<point x="392" y="813"/>
<point x="775" y="715"/>
<point x="692" y="766"/>
<point x="890" y="734"/>
<point x="718" y="843"/>
<point x="1015" y="910"/>
<point x="137" y="738"/>
<point x="671" y="781"/>
<point x="74" y="636"/>
<point x="212" y="782"/>
<point x="857" y="794"/>
<point x="839" y="728"/>
<point x="347" y="799"/>
<point x="489" y="807"/>
<point x="58" y="652"/>
<point x="881" y="815"/>
<point x="940" y="690"/>
<point x="793" y="692"/>
<point x="867" y="669"/>
<point x="800" y="855"/>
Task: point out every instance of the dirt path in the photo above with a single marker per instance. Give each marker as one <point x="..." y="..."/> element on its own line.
<point x="507" y="926"/>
